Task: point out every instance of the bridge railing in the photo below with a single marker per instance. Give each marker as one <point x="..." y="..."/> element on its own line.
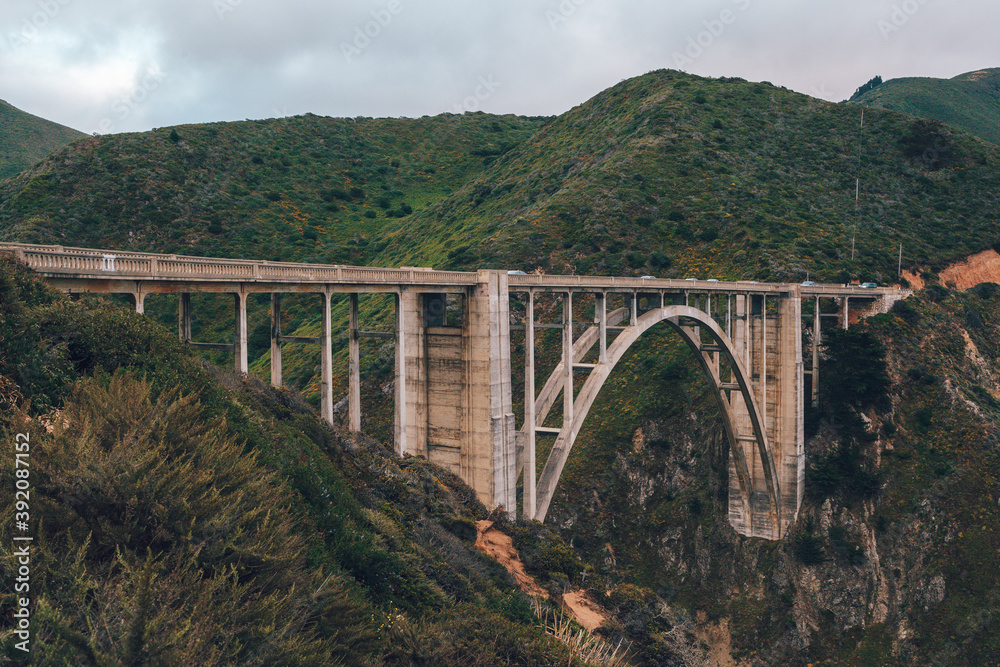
<point x="94" y="263"/>
<point x="91" y="263"/>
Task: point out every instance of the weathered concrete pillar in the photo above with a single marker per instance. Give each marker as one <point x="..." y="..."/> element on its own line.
<point x="276" y="339"/>
<point x="567" y="358"/>
<point x="491" y="418"/>
<point x="242" y="337"/>
<point x="530" y="469"/>
<point x="774" y="345"/>
<point x="817" y="339"/>
<point x="789" y="427"/>
<point x="184" y="317"/>
<point x="410" y="400"/>
<point x="738" y="518"/>
<point x="354" y="369"/>
<point x="411" y="374"/>
<point x="139" y="301"/>
<point x="326" y="361"/>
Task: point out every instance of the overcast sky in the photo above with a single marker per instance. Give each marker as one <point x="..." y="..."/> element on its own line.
<point x="130" y="65"/>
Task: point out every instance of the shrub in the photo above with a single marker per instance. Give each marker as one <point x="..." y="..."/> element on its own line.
<point x="808" y="546"/>
<point x="152" y="515"/>
<point x="855" y="368"/>
<point x="842" y="470"/>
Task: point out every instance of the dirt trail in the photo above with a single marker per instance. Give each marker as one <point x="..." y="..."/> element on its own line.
<point x="493" y="543"/>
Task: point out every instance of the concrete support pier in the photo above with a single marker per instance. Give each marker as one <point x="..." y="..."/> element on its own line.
<point x="457" y="395"/>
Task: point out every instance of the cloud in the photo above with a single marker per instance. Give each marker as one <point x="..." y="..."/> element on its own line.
<point x="82" y="63"/>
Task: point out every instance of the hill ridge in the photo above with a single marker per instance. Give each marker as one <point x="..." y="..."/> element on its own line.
<point x="25" y="139"/>
<point x="968" y="101"/>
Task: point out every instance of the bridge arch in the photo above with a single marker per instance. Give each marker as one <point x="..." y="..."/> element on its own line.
<point x="688" y="322"/>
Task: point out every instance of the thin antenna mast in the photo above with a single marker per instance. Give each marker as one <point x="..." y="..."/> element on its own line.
<point x="857" y="185"/>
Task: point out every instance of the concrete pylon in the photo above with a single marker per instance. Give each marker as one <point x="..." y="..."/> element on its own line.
<point x="768" y="334"/>
<point x="458" y="407"/>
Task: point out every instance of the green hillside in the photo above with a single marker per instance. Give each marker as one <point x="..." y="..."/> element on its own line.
<point x="679" y="176"/>
<point x="305" y="188"/>
<point x="665" y="174"/>
<point x="27" y="139"/>
<point x="969" y="102"/>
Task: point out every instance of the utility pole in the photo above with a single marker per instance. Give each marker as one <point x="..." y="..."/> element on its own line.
<point x="857" y="185"/>
<point x="899" y="271"/>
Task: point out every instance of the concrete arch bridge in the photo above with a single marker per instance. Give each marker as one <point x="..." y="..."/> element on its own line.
<point x="452" y="340"/>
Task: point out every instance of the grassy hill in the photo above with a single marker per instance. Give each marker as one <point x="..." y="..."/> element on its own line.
<point x="27" y="139"/>
<point x="969" y="102"/>
<point x="681" y="176"/>
<point x="668" y="174"/>
<point x="305" y="188"/>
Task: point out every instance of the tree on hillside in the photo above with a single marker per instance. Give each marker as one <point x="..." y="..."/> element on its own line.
<point x="873" y="83"/>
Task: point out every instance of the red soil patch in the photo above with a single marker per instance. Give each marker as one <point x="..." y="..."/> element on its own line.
<point x="983" y="267"/>
<point x="494" y="543"/>
<point x="587" y="613"/>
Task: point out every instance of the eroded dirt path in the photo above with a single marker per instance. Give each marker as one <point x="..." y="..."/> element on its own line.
<point x="493" y="543"/>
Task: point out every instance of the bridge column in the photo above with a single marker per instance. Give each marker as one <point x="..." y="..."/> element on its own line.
<point x="789" y="428"/>
<point x="240" y="347"/>
<point x="773" y="345"/>
<point x="184" y="317"/>
<point x="530" y="470"/>
<point x="326" y="361"/>
<point x="411" y="374"/>
<point x="276" y="339"/>
<point x="139" y="301"/>
<point x="354" y="369"/>
<point x="491" y="443"/>
<point x="567" y="357"/>
<point x="816" y="340"/>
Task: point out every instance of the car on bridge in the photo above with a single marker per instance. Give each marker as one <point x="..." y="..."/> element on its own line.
<point x="869" y="285"/>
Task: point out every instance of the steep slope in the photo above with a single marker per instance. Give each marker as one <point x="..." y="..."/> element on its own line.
<point x="892" y="559"/>
<point x="185" y="516"/>
<point x="678" y="175"/>
<point x="26" y="139"/>
<point x="969" y="101"/>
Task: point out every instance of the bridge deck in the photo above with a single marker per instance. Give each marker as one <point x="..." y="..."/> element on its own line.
<point x="95" y="264"/>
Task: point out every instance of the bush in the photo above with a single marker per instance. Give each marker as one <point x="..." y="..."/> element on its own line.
<point x="906" y="312"/>
<point x="152" y="515"/>
<point x="842" y="470"/>
<point x="808" y="546"/>
<point x="855" y="370"/>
